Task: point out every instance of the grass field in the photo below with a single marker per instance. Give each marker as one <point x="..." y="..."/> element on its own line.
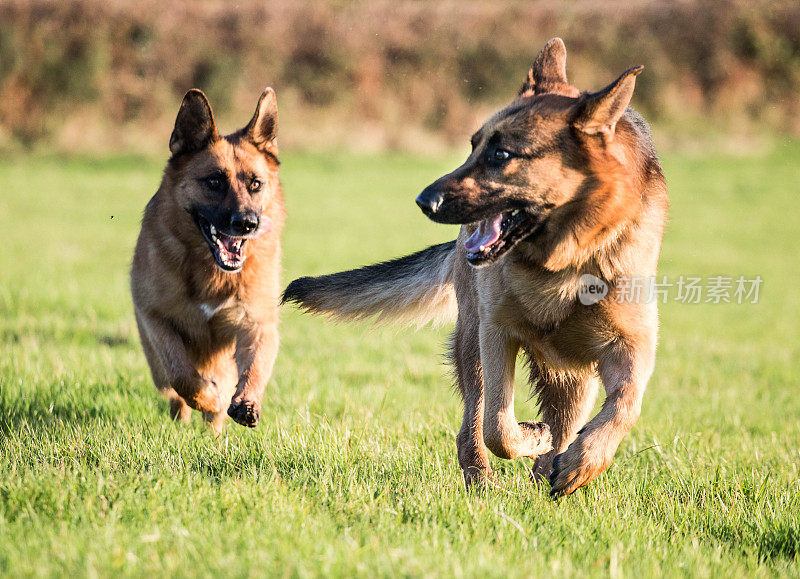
<point x="352" y="470"/>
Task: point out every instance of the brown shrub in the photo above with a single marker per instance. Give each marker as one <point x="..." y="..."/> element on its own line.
<point x="405" y="74"/>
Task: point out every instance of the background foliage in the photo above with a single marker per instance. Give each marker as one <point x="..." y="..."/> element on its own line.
<point x="94" y="75"/>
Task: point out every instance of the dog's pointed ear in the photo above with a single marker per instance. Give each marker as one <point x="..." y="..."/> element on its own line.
<point x="599" y="112"/>
<point x="263" y="127"/>
<point x="194" y="126"/>
<point x="549" y="68"/>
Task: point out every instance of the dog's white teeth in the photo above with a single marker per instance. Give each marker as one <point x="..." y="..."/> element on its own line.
<point x="212" y="229"/>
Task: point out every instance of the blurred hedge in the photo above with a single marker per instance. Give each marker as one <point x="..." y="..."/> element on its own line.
<point x="99" y="74"/>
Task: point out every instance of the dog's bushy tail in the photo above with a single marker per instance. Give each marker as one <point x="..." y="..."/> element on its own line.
<point x="415" y="289"/>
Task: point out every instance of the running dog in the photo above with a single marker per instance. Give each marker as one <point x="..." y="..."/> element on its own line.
<point x="561" y="184"/>
<point x="205" y="275"/>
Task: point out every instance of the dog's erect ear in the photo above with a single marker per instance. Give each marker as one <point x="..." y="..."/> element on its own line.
<point x="599" y="112"/>
<point x="548" y="70"/>
<point x="263" y="127"/>
<point x="194" y="126"/>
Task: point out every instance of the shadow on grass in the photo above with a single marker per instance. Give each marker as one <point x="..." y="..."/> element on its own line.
<point x="13" y="416"/>
<point x="775" y="540"/>
<point x="116" y="340"/>
<point x="63" y="402"/>
<point x="71" y="335"/>
<point x="779" y="542"/>
<point x="762" y="524"/>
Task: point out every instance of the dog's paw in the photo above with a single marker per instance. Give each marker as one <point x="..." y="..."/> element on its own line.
<point x="244" y="413"/>
<point x="576" y="466"/>
<point x="537" y="439"/>
<point x="541" y="469"/>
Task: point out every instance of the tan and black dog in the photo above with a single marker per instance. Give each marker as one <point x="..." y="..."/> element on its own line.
<point x="205" y="275"/>
<point x="560" y="184"/>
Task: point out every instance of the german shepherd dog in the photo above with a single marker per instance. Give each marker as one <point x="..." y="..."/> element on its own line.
<point x="205" y="275"/>
<point x="559" y="184"/>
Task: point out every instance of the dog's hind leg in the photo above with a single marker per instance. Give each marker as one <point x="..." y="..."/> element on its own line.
<point x="566" y="401"/>
<point x="179" y="411"/>
<point x="465" y="353"/>
<point x="503" y="435"/>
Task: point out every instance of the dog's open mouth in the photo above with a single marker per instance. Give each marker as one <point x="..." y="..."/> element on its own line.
<point x="497" y="235"/>
<point x="228" y="251"/>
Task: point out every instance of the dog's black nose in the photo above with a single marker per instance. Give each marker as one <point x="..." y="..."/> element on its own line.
<point x="429" y="201"/>
<point x="244" y="223"/>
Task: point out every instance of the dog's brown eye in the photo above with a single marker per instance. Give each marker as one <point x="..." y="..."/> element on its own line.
<point x="255" y="185"/>
<point x="214" y="183"/>
<point x="501" y="155"/>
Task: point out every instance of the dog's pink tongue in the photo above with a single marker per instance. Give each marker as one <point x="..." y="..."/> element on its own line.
<point x="230" y="247"/>
<point x="487" y="233"/>
<point x="229" y="243"/>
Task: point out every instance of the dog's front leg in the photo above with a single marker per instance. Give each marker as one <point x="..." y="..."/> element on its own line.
<point x="625" y="371"/>
<point x="178" y="371"/>
<point x="503" y="435"/>
<point x="256" y="350"/>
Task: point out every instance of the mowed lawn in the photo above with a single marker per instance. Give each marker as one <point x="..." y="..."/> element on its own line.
<point x="352" y="470"/>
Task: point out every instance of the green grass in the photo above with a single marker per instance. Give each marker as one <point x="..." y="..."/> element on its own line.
<point x="353" y="470"/>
